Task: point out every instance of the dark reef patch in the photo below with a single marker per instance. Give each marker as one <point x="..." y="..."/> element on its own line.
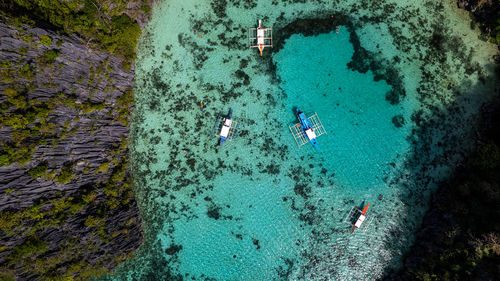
<point x="214" y="212"/>
<point x="219" y="8"/>
<point x="398" y="121"/>
<point x="322" y="23"/>
<point x="240" y="74"/>
<point x="173" y="249"/>
<point x="256" y="243"/>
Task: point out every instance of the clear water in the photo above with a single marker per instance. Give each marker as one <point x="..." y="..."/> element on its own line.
<point x="260" y="208"/>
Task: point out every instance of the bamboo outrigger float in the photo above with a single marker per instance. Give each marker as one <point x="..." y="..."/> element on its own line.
<point x="260" y="37"/>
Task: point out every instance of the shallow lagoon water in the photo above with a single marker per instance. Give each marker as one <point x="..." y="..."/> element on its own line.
<point x="260" y="208"/>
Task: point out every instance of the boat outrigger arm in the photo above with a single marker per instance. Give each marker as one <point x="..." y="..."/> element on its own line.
<point x="260" y="37"/>
<point x="361" y="219"/>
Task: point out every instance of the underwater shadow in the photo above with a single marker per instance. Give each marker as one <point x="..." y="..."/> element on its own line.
<point x="441" y="140"/>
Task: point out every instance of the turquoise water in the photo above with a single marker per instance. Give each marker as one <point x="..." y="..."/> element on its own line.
<point x="397" y="92"/>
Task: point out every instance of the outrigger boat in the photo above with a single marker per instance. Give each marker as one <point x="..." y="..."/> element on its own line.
<point x="360" y="219"/>
<point x="225" y="127"/>
<point x="307" y="128"/>
<point x="260" y="37"/>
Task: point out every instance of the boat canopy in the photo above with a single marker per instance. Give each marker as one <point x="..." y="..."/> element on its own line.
<point x="225" y="128"/>
<point x="360" y="221"/>
<point x="310" y="134"/>
<point x="260" y="36"/>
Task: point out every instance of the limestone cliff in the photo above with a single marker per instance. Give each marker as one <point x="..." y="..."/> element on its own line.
<point x="67" y="208"/>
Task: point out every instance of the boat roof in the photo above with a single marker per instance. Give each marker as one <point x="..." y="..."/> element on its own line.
<point x="310" y="134"/>
<point x="225" y="131"/>
<point x="260" y="36"/>
<point x="360" y="221"/>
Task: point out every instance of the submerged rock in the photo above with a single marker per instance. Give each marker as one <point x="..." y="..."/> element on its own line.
<point x="398" y="121"/>
<point x="173" y="249"/>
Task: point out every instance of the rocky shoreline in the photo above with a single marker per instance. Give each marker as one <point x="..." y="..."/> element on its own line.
<point x="483" y="13"/>
<point x="67" y="207"/>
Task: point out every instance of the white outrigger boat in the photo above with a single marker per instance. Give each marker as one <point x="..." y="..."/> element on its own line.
<point x="360" y="217"/>
<point x="225" y="126"/>
<point x="260" y="37"/>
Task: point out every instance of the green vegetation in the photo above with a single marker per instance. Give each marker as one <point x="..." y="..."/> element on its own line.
<point x="10" y="72"/>
<point x="29" y="119"/>
<point x="7" y="276"/>
<point x="16" y="98"/>
<point x="146" y="8"/>
<point x="98" y="21"/>
<point x="91" y="107"/>
<point x="11" y="154"/>
<point x="123" y="37"/>
<point x="124" y="104"/>
<point x="54" y="213"/>
<point x="94" y="221"/>
<point x="30" y="220"/>
<point x="29" y="249"/>
<point x="49" y="56"/>
<point x="65" y="175"/>
<point x="45" y="40"/>
<point x="38" y="171"/>
<point x="103" y="168"/>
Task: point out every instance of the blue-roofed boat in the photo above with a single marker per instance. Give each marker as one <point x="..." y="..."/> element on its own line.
<point x="307" y="128"/>
<point x="226" y="126"/>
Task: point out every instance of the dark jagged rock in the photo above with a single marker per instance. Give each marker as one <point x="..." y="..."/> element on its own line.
<point x="88" y="217"/>
<point x="497" y="59"/>
<point x="485" y="13"/>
